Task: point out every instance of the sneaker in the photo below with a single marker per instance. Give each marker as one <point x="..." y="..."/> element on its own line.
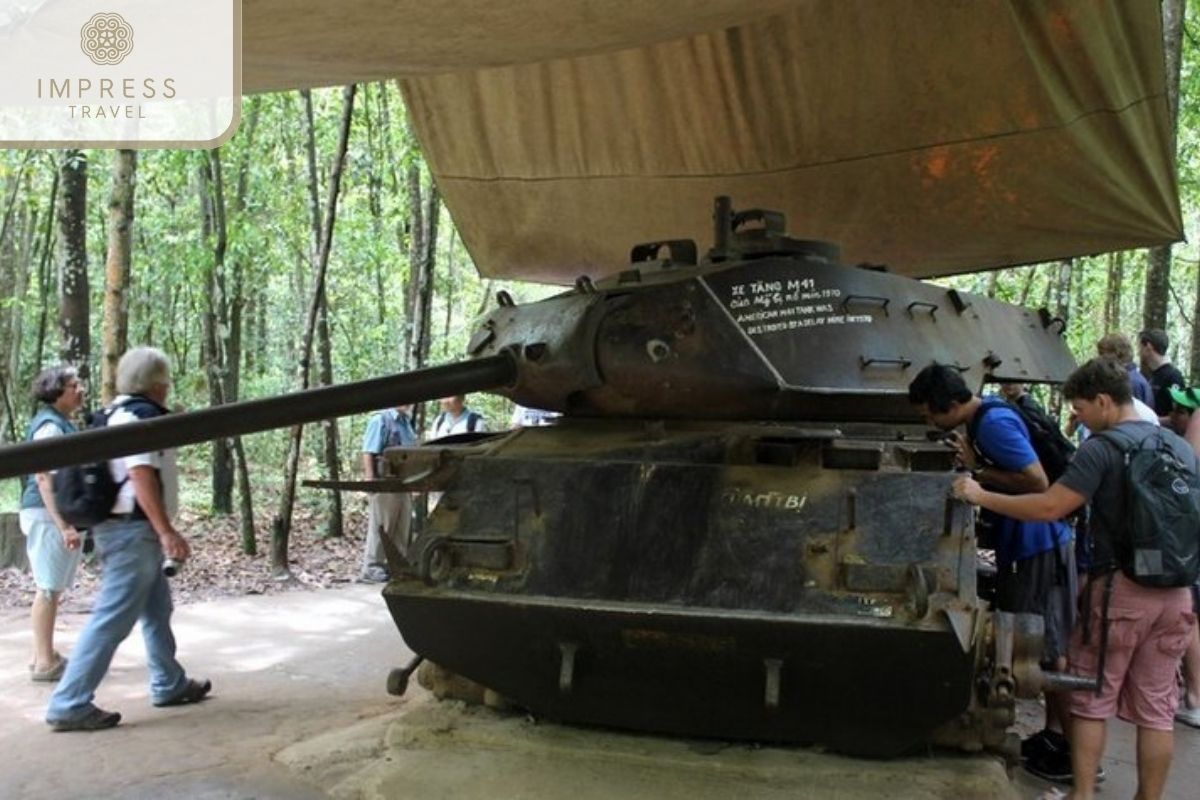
<point x="1056" y="768"/>
<point x="1042" y="742"/>
<point x="96" y="719"/>
<point x="192" y="692"/>
<point x="1053" y="766"/>
<point x="374" y="574"/>
<point x="1188" y="716"/>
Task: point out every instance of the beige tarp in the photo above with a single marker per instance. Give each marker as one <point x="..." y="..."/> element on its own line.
<point x="935" y="136"/>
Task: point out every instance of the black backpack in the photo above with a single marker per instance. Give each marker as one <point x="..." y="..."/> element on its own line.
<point x="1161" y="519"/>
<point x="85" y="493"/>
<point x="1053" y="449"/>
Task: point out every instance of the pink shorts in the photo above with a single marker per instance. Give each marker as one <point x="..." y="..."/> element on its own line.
<point x="1148" y="631"/>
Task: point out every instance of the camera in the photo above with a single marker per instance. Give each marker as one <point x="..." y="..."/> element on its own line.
<point x="171" y="567"/>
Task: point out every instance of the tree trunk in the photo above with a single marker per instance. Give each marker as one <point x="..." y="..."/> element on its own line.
<point x="334" y="525"/>
<point x="115" y="334"/>
<point x="282" y="524"/>
<point x="9" y="412"/>
<point x="412" y="291"/>
<point x="1062" y="287"/>
<point x="428" y="262"/>
<point x="22" y="265"/>
<point x="44" y="275"/>
<point x="12" y="226"/>
<point x="1064" y="272"/>
<point x="1158" y="282"/>
<point x="1112" y="292"/>
<point x="451" y="284"/>
<point x="376" y="155"/>
<point x="993" y="283"/>
<point x="1158" y="270"/>
<point x="324" y="347"/>
<point x="486" y="299"/>
<point x="216" y="319"/>
<point x="1194" y="372"/>
<point x="73" y="298"/>
<point x="423" y="215"/>
<point x="232" y="386"/>
<point x="1027" y="285"/>
<point x="245" y="501"/>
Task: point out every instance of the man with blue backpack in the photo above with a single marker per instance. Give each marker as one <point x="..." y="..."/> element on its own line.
<point x="1142" y="486"/>
<point x="390" y="513"/>
<point x="1011" y="451"/>
<point x="52" y="544"/>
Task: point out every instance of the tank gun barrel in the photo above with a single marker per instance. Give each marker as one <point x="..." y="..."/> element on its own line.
<point x="252" y="416"/>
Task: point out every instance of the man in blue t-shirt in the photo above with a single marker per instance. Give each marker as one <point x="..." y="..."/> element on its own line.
<point x="1035" y="561"/>
<point x="390" y="513"/>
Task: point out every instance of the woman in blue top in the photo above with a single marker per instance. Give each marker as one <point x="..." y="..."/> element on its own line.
<point x="53" y="545"/>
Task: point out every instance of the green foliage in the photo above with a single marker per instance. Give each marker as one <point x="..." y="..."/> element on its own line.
<point x="10" y="496"/>
<point x="271" y="238"/>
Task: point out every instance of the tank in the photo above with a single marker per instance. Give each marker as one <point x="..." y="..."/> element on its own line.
<point x="737" y="529"/>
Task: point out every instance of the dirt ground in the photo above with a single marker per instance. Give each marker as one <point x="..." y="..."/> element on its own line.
<point x="218" y="568"/>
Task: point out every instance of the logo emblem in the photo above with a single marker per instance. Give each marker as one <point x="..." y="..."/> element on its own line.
<point x="106" y="38"/>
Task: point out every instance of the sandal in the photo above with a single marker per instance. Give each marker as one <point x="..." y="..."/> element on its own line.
<point x="51" y="673"/>
<point x="32" y="664"/>
<point x="192" y="692"/>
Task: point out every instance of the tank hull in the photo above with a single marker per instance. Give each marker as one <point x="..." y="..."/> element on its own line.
<point x="760" y="582"/>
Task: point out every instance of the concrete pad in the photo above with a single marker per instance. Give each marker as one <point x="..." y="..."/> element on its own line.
<point x="434" y="750"/>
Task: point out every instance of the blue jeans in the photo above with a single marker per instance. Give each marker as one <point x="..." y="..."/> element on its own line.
<point x="132" y="588"/>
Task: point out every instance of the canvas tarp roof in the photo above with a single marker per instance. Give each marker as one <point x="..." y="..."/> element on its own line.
<point x="934" y="136"/>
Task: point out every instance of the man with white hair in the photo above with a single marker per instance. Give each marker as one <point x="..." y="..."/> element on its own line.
<point x="132" y="544"/>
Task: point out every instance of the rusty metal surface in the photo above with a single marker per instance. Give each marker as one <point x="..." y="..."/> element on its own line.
<point x="766" y="328"/>
<point x="781" y="337"/>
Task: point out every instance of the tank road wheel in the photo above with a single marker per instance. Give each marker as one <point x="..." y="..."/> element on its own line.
<point x="397" y="682"/>
<point x="397" y="679"/>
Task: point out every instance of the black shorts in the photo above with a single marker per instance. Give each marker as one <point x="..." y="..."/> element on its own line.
<point x="1043" y="584"/>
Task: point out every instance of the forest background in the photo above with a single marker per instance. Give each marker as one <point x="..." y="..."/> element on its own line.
<point x="321" y="210"/>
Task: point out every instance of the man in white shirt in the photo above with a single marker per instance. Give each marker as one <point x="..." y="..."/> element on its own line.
<point x="390" y="513"/>
<point x="455" y="418"/>
<point x="132" y="544"/>
<point x="524" y="417"/>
